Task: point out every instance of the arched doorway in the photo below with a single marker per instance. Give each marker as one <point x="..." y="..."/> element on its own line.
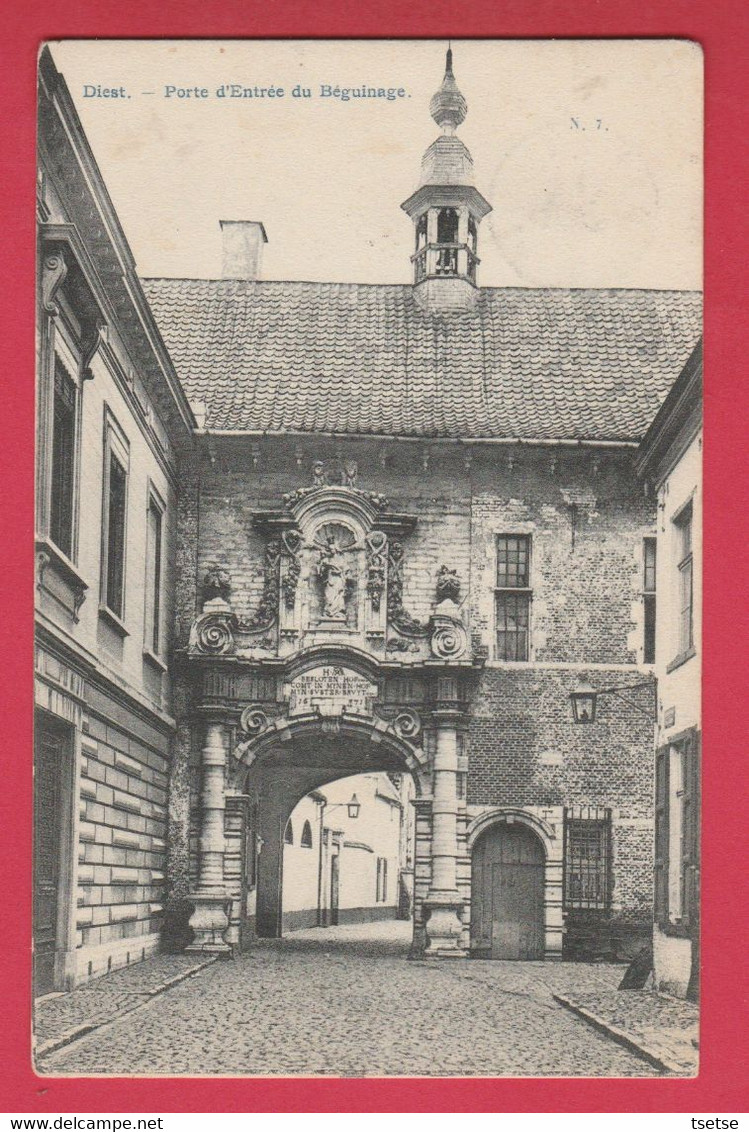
<point x="507" y="893"/>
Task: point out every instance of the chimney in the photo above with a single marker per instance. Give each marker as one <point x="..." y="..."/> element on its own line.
<point x="242" y="248"/>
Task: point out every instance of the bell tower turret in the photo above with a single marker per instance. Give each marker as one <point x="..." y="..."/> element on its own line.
<point x="447" y="208"/>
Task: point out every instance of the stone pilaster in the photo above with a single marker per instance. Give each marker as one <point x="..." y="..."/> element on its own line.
<point x="210" y="920"/>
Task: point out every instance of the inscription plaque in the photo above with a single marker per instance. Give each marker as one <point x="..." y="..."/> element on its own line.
<point x="331" y="690"/>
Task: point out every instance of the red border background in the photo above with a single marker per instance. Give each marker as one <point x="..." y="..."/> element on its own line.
<point x="721" y="27"/>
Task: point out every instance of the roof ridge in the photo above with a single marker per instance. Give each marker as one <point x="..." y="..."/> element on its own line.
<point x="409" y="286"/>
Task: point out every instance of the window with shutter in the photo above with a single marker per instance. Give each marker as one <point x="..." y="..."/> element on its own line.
<point x="690" y="856"/>
<point x="661" y="834"/>
<point x="648" y="599"/>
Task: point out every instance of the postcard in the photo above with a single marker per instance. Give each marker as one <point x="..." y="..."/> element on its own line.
<point x="368" y="559"/>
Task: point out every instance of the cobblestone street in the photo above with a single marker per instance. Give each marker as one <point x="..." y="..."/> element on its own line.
<point x="345" y="1002"/>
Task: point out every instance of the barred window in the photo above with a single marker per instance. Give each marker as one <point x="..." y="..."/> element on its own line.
<point x="587" y="858"/>
<point x="648" y="599"/>
<point x="513" y="597"/>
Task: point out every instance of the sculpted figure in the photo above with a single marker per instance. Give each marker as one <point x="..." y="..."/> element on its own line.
<point x="350" y="473"/>
<point x="318" y="474"/>
<point x="332" y="573"/>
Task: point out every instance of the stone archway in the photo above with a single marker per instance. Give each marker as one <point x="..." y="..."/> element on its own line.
<point x="279" y="773"/>
<point x="516" y="880"/>
<point x="325" y="713"/>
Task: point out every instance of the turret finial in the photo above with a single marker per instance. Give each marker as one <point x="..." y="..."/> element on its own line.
<point x="448" y="106"/>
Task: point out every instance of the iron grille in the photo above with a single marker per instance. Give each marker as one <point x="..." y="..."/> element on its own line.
<point x="587" y="858"/>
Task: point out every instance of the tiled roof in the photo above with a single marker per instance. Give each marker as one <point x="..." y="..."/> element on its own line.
<point x="365" y="359"/>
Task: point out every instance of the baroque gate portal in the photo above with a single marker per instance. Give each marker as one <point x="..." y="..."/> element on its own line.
<point x="330" y="677"/>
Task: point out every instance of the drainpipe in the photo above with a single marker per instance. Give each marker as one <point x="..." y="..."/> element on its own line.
<point x="320" y="917"/>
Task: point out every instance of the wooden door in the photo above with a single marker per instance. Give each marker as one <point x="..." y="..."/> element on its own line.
<point x="48" y="758"/>
<point x="507" y="894"/>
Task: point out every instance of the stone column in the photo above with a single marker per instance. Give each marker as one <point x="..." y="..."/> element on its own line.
<point x="444" y="903"/>
<point x="210" y="920"/>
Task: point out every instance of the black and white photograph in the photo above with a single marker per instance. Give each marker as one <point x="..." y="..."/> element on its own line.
<point x="368" y="558"/>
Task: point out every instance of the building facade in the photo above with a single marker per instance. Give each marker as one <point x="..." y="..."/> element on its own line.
<point x="112" y="421"/>
<point x="416" y="523"/>
<point x="409" y="525"/>
<point x="670" y="461"/>
<point x="348" y="853"/>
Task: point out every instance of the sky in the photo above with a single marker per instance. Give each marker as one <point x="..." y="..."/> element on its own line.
<point x="590" y="153"/>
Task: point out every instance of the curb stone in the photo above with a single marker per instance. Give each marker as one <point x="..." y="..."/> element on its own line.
<point x="634" y="1045"/>
<point x="44" y="1049"/>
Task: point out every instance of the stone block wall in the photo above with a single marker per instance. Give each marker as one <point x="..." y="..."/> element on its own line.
<point x="122" y="846"/>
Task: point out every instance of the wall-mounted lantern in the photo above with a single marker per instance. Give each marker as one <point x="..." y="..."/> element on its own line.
<point x="584" y="699"/>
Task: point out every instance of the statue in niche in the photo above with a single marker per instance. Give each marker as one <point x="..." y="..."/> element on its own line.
<point x="332" y="572"/>
<point x="334" y="542"/>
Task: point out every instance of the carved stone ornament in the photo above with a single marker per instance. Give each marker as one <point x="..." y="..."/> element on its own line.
<point x="398" y="644"/>
<point x="407" y="725"/>
<point x="253" y="721"/>
<point x="320" y="480"/>
<point x="398" y="616"/>
<point x="377" y="549"/>
<point x="449" y="638"/>
<point x="338" y="473"/>
<point x="79" y="596"/>
<point x="448" y="585"/>
<point x="267" y="611"/>
<point x="213" y="634"/>
<point x="292" y="542"/>
<point x="54" y="271"/>
<point x="216" y="584"/>
<point x="94" y="341"/>
<point x="350" y="473"/>
<point x="43" y="560"/>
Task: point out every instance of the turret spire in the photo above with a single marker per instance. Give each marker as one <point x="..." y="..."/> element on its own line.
<point x="448" y="106"/>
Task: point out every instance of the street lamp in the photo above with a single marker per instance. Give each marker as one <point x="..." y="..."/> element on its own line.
<point x="352" y="807"/>
<point x="585" y="699"/>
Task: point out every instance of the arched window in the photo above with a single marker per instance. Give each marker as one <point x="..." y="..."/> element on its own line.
<point x="447" y="226"/>
<point x="289" y="834"/>
<point x="421" y="232"/>
<point x="306" y="841"/>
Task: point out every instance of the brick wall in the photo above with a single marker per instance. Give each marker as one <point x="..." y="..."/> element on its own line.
<point x="586" y="516"/>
